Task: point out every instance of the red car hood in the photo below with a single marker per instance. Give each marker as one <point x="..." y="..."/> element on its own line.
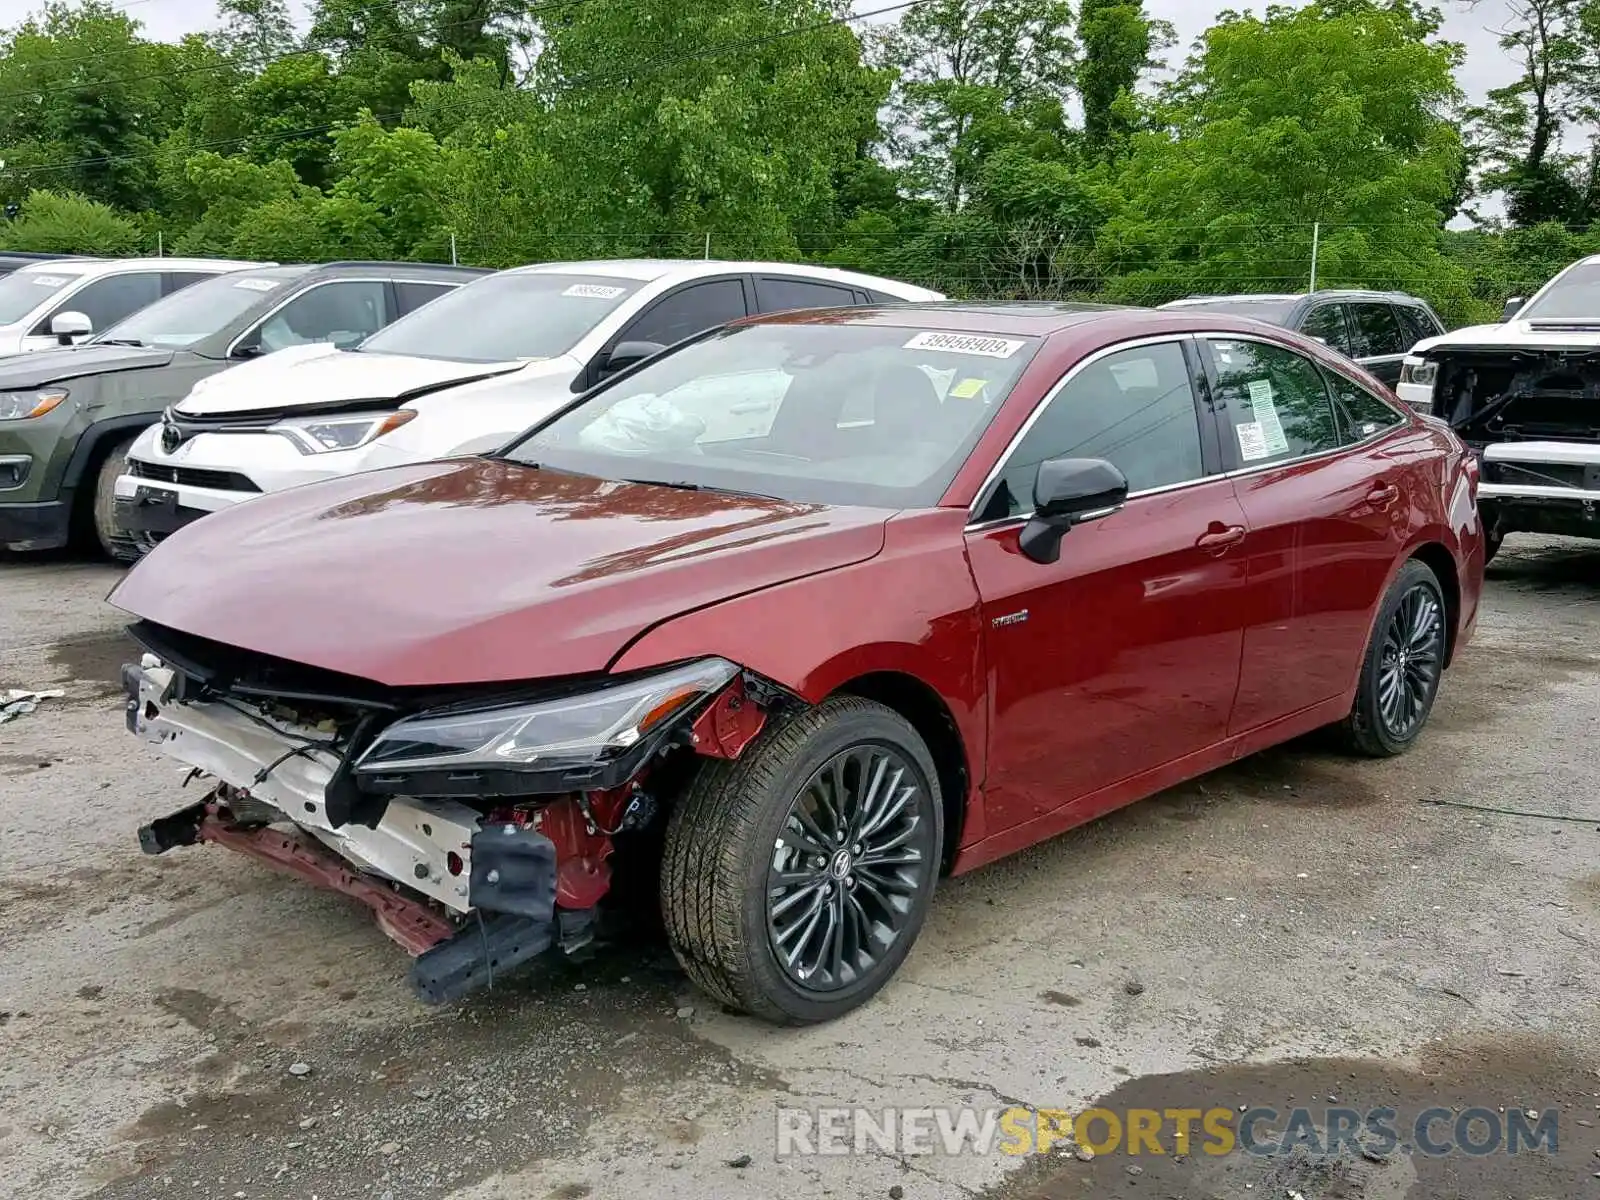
<point x="475" y="570"/>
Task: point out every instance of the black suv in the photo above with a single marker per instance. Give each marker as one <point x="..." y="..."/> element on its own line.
<point x="68" y="416"/>
<point x="1374" y="328"/>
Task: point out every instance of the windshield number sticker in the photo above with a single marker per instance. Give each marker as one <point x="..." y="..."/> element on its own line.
<point x="256" y="285"/>
<point x="965" y="343"/>
<point x="595" y="291"/>
<point x="49" y="280"/>
<point x="1252" y="441"/>
<point x="1266" y="414"/>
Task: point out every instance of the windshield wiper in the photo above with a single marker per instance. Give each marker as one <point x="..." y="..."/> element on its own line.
<point x="683" y="485"/>
<point x="121" y="342"/>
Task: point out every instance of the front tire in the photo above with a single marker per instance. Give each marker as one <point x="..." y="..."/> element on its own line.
<point x="1403" y="666"/>
<point x="116" y="541"/>
<point x="796" y="879"/>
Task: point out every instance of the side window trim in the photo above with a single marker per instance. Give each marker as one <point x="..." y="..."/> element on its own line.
<point x="1204" y="417"/>
<point x="1237" y="468"/>
<point x="259" y="322"/>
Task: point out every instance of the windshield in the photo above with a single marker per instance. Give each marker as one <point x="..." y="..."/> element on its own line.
<point x="813" y="413"/>
<point x="1575" y="295"/>
<point x="1274" y="312"/>
<point x="200" y="309"/>
<point x="23" y="291"/>
<point x="505" y="317"/>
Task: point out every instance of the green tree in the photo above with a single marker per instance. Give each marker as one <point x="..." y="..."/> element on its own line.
<point x="975" y="75"/>
<point x="1119" y="44"/>
<point x="1338" y="113"/>
<point x="69" y="224"/>
<point x="1554" y="44"/>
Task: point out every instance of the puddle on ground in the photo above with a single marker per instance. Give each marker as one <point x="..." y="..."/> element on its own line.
<point x="1523" y="1073"/>
<point x="422" y="1107"/>
<point x="96" y="660"/>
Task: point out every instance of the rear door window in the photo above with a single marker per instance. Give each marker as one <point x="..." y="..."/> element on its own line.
<point x="1377" y="331"/>
<point x="1364" y="415"/>
<point x="176" y="281"/>
<point x="412" y="294"/>
<point x="1417" y="324"/>
<point x="1327" y="321"/>
<point x="1277" y="404"/>
<point x="774" y="294"/>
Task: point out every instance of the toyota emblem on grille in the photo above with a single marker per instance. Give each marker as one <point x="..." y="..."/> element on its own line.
<point x="171" y="438"/>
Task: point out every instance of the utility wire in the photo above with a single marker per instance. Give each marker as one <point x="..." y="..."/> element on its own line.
<point x="653" y="67"/>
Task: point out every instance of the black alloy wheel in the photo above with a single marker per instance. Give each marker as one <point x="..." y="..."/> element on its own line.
<point x="854" y="853"/>
<point x="1412" y="658"/>
<point x="1403" y="666"/>
<point x="795" y="879"/>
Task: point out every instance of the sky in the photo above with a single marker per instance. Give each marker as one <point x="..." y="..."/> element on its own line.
<point x="1468" y="22"/>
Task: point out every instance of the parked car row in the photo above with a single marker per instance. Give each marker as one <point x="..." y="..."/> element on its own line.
<point x="766" y="595"/>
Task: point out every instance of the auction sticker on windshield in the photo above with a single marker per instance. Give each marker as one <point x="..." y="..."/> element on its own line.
<point x="965" y="343"/>
<point x="49" y="280"/>
<point x="595" y="291"/>
<point x="256" y="285"/>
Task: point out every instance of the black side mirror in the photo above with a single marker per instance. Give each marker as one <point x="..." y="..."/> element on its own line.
<point x="625" y="354"/>
<point x="1068" y="492"/>
<point x="247" y="350"/>
<point x="1512" y="308"/>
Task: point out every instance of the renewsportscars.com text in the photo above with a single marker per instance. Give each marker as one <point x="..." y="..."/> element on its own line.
<point x="1262" y="1131"/>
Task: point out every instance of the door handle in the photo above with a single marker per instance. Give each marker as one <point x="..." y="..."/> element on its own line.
<point x="1219" y="538"/>
<point x="1383" y="495"/>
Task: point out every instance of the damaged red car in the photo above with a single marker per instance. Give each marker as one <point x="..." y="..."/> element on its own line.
<point x="780" y="626"/>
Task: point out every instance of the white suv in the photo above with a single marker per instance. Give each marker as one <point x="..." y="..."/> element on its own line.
<point x="63" y="301"/>
<point x="462" y="375"/>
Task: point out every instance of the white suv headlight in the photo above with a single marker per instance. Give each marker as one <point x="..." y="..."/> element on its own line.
<point x="1419" y="372"/>
<point x="340" y="431"/>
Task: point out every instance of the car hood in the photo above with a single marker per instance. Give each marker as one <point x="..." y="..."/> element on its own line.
<point x="55" y="366"/>
<point x="477" y="570"/>
<point x="1518" y="335"/>
<point x="306" y="377"/>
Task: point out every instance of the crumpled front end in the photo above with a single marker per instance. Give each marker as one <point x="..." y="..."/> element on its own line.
<point x="1533" y="416"/>
<point x="478" y="829"/>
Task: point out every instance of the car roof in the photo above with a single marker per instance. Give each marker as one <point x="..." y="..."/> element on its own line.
<point x="651" y="269"/>
<point x="1018" y="318"/>
<point x="1296" y="297"/>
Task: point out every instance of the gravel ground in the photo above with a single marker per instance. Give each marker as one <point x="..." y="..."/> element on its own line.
<point x="1299" y="925"/>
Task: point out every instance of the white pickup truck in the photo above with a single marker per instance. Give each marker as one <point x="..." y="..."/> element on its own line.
<point x="1525" y="394"/>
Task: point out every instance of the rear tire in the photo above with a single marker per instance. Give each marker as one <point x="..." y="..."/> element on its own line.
<point x="1402" y="669"/>
<point x="117" y="542"/>
<point x="755" y="880"/>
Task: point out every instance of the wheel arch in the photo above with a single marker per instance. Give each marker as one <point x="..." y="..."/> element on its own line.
<point x="1438" y="559"/>
<point x="931" y="717"/>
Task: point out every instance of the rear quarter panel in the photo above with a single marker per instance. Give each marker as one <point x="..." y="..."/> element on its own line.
<point x="912" y="610"/>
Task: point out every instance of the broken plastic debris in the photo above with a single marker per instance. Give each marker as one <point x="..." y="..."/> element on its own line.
<point x="19" y="702"/>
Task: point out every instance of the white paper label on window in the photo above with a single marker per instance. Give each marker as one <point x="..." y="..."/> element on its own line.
<point x="595" y="291"/>
<point x="49" y="280"/>
<point x="1266" y="414"/>
<point x="1252" y="441"/>
<point x="965" y="343"/>
<point x="256" y="285"/>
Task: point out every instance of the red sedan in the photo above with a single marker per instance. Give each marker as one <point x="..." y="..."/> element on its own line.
<point x="789" y="620"/>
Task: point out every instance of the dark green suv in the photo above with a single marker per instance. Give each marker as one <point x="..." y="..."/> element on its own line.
<point x="68" y="416"/>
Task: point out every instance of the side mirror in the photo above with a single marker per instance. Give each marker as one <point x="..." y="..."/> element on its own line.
<point x="1512" y="308"/>
<point x="625" y="354"/>
<point x="1068" y="492"/>
<point x="69" y="326"/>
<point x="247" y="350"/>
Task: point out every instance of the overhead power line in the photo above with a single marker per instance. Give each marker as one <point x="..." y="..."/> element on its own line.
<point x="653" y="67"/>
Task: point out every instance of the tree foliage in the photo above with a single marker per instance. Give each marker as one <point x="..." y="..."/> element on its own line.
<point x="1012" y="148"/>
